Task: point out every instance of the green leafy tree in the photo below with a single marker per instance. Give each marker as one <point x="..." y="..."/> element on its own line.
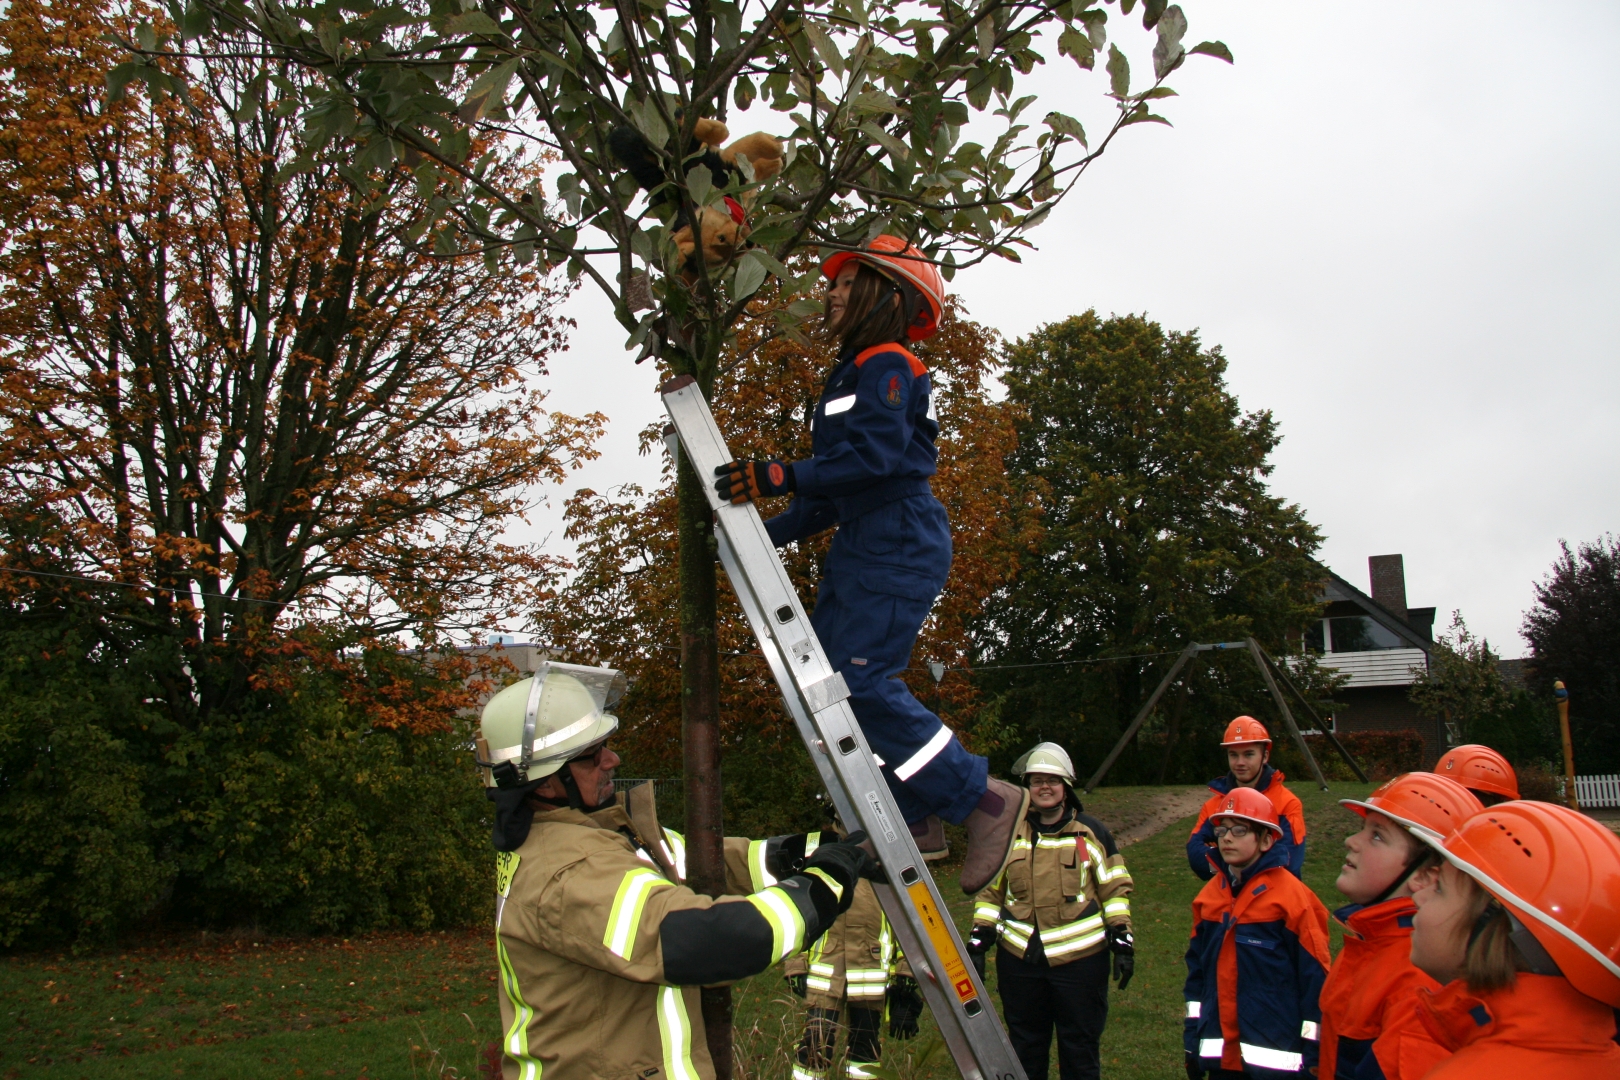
<point x="1159" y="530"/>
<point x="1574" y="635"/>
<point x="899" y="117"/>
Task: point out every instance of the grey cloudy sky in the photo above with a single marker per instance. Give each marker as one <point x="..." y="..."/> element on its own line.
<point x="1400" y="222"/>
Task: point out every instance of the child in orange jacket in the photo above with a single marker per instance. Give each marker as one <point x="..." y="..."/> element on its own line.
<point x="1373" y="981"/>
<point x="1522" y="925"/>
<point x="1258" y="954"/>
<point x="1248" y="759"/>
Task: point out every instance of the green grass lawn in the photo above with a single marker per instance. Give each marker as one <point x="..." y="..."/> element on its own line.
<point x="403" y="1005"/>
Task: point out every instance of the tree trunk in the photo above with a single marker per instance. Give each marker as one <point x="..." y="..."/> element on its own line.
<point x="700" y="728"/>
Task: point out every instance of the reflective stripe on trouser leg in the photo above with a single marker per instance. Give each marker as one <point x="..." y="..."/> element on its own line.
<point x="675" y="1030"/>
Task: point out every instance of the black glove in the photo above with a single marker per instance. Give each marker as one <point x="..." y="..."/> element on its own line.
<point x="978" y="947"/>
<point x="1123" y="946"/>
<point x="799" y="984"/>
<point x="745" y="481"/>
<point x="784" y="855"/>
<point x="905" y="1007"/>
<point x="1195" y="1070"/>
<point x="846" y="862"/>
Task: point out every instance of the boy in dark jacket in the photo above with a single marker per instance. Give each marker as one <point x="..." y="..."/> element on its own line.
<point x="1248" y="758"/>
<point x="1258" y="954"/>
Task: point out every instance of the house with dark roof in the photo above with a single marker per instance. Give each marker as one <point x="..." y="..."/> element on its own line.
<point x="1382" y="645"/>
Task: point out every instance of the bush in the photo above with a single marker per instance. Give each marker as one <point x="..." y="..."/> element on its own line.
<point x="297" y="814"/>
<point x="1381" y="754"/>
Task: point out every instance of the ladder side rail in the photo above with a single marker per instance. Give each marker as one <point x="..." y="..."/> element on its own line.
<point x="937" y="996"/>
<point x="810" y="677"/>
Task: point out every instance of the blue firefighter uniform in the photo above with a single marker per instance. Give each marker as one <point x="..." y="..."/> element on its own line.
<point x="873" y="445"/>
<point x="1201" y="853"/>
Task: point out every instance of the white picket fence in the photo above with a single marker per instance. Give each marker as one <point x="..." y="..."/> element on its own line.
<point x="1594" y="792"/>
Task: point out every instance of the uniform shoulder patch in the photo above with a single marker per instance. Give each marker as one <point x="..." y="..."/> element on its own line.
<point x="506" y="864"/>
<point x="893" y="391"/>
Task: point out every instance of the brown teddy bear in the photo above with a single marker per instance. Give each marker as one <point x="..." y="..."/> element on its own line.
<point x="724" y="226"/>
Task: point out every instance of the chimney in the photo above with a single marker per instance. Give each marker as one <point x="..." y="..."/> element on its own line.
<point x="1388" y="575"/>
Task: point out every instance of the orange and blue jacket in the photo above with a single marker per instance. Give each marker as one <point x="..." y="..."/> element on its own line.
<point x="1372" y="984"/>
<point x="1201" y="853"/>
<point x="1541" y="1022"/>
<point x="1255" y="967"/>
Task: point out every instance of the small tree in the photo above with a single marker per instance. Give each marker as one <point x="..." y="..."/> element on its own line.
<point x="1463" y="684"/>
<point x="879" y="99"/>
<point x="1574" y="635"/>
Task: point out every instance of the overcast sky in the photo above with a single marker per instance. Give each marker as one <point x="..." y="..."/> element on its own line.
<point x="1401" y="222"/>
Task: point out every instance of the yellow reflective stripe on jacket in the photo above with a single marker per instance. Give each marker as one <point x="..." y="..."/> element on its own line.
<point x="985" y="911"/>
<point x="758" y="876"/>
<point x="675" y="1030"/>
<point x="675" y="852"/>
<point x="866" y="982"/>
<point x="623" y="920"/>
<point x="787" y="925"/>
<point x="1119" y="905"/>
<point x="515" y="1042"/>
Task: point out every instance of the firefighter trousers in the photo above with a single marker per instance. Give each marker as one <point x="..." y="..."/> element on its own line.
<point x="1073" y="998"/>
<point x="883" y="572"/>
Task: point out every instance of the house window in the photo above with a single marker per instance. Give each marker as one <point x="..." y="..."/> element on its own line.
<point x="1314" y="640"/>
<point x="1358" y="633"/>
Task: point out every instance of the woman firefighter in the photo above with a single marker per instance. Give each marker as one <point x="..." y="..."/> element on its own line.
<point x="872" y="441"/>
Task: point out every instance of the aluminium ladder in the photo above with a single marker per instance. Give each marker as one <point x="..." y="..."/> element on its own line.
<point x="816" y="696"/>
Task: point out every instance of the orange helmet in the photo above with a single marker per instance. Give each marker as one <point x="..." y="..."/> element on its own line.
<point x="1558" y="872"/>
<point x="895" y="259"/>
<point x="1249" y="805"/>
<point x="1421" y="800"/>
<point x="1479" y="768"/>
<point x="1244" y="730"/>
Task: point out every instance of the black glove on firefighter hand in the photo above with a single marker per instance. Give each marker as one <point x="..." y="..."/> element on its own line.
<point x="905" y="1007"/>
<point x="1123" y="947"/>
<point x="1195" y="1069"/>
<point x="745" y="481"/>
<point x="978" y="947"/>
<point x="845" y="863"/>
<point x="799" y="984"/>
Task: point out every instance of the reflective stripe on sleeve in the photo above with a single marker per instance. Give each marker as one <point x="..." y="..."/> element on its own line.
<point x="759" y="877"/>
<point x="1267" y="1058"/>
<point x="1308" y="1030"/>
<point x="620" y="937"/>
<point x="1210" y="1047"/>
<point x="675" y="851"/>
<point x="516" y="1039"/>
<point x="860" y="1070"/>
<point x="930" y="750"/>
<point x="787" y="925"/>
<point x="1119" y="905"/>
<point x="675" y="1031"/>
<point x="839" y="405"/>
<point x="986" y="912"/>
<point x="1194" y="1009"/>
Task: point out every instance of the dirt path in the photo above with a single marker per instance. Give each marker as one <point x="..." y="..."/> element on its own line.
<point x="1164" y="811"/>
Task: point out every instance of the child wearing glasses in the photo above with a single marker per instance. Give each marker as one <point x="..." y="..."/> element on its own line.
<point x="1258" y="954"/>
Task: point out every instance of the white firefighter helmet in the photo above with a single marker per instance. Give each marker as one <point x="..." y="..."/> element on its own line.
<point x="532" y="727"/>
<point x="1048" y="758"/>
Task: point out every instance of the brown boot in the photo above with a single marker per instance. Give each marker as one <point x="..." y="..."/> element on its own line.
<point x="929" y="833"/>
<point x="990" y="829"/>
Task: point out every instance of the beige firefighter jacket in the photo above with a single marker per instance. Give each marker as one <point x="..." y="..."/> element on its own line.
<point x="856" y="958"/>
<point x="577" y="918"/>
<point x="1071" y="884"/>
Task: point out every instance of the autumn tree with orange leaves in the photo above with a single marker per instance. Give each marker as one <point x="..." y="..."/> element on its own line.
<point x="251" y="429"/>
<point x="615" y="608"/>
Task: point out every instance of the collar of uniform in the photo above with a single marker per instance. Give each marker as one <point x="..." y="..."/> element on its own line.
<point x="1542" y="1010"/>
<point x="612" y="818"/>
<point x="1225" y="784"/>
<point x="1386" y="918"/>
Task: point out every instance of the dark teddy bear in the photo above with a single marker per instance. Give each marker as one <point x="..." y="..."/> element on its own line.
<point x="724" y="229"/>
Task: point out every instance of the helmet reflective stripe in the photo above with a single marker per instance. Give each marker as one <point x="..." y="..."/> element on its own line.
<point x="675" y="1031"/>
<point x="507" y="753"/>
